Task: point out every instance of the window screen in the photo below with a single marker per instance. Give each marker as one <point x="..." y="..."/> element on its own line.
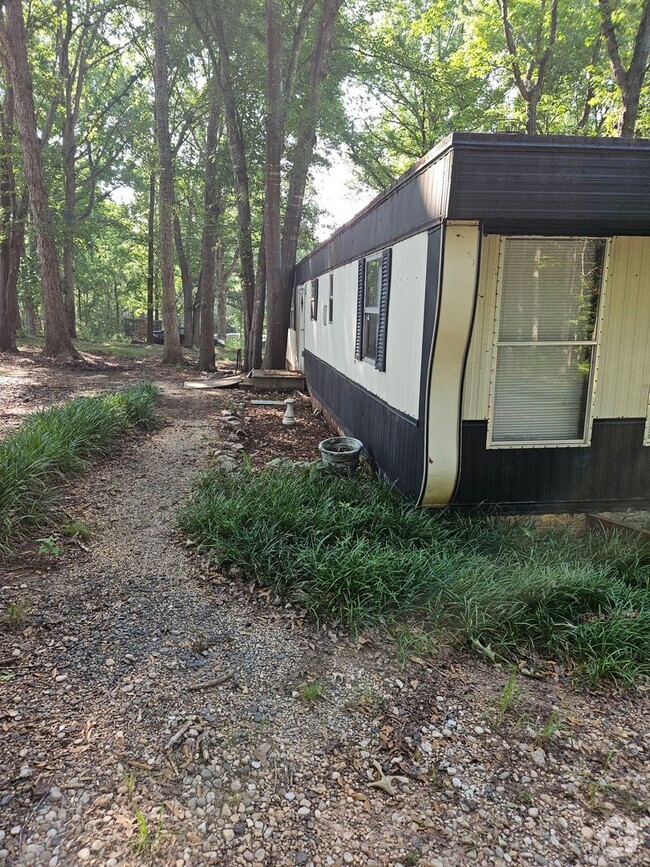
<point x="547" y="329"/>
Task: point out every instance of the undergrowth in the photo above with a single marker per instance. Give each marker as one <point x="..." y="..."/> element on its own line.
<point x="351" y="549"/>
<point x="57" y="443"/>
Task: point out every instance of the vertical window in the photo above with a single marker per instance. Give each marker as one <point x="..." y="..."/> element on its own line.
<point x="331" y="299"/>
<point x="372" y="308"/>
<point x="546" y="339"/>
<point x="372" y="291"/>
<point x="314" y="299"/>
<point x="646" y="438"/>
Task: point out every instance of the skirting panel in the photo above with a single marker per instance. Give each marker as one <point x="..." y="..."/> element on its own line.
<point x="392" y="440"/>
<point x="613" y="472"/>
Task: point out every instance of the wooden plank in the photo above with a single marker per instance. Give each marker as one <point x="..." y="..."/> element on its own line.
<point x="226" y="382"/>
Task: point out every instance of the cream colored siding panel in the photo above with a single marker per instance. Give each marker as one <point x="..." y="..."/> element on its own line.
<point x="624" y="361"/>
<point x="476" y="389"/>
<point x="333" y="343"/>
<point x="457" y="294"/>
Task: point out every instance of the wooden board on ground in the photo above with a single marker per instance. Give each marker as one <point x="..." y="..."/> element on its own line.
<point x="226" y="382"/>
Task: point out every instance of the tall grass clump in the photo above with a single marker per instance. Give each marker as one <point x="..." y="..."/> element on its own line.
<point x="351" y="549"/>
<point x="54" y="444"/>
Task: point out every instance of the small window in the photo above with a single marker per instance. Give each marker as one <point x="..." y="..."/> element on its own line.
<point x="372" y="308"/>
<point x="546" y="340"/>
<point x="646" y="438"/>
<point x="314" y="299"/>
<point x="331" y="305"/>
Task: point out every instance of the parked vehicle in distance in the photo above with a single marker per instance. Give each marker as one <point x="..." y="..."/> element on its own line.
<point x="159" y="337"/>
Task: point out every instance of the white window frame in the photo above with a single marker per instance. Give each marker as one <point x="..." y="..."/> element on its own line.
<point x="646" y="435"/>
<point x="330" y="306"/>
<point x="595" y="344"/>
<point x="372" y="311"/>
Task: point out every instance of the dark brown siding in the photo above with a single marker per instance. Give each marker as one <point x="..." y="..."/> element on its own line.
<point x="552" y="185"/>
<point x="613" y="472"/>
<point x="392" y="440"/>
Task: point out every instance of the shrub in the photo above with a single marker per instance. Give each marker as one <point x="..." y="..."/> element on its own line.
<point x="351" y="549"/>
<point x="61" y="442"/>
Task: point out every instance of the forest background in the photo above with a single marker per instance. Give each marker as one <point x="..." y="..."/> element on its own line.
<point x="159" y="158"/>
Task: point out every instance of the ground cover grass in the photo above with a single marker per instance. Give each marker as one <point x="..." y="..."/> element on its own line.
<point x="57" y="443"/>
<point x="353" y="550"/>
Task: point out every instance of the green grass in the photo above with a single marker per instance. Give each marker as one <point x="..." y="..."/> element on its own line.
<point x="57" y="443"/>
<point x="352" y="550"/>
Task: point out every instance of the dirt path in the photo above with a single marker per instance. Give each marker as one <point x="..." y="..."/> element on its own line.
<point x="103" y="728"/>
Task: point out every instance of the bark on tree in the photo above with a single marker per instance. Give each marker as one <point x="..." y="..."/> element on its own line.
<point x="14" y="43"/>
<point x="172" y="350"/>
<point x="12" y="229"/>
<point x="151" y="254"/>
<point x="630" y="80"/>
<point x="209" y="239"/>
<point x="279" y="296"/>
<point x="186" y="283"/>
<point x="238" y="158"/>
<point x="274" y="146"/>
<point x="528" y="86"/>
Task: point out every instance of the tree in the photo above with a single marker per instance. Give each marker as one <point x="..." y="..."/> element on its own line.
<point x="14" y="44"/>
<point x="172" y="352"/>
<point x="629" y="81"/>
<point x="209" y="238"/>
<point x="529" y="58"/>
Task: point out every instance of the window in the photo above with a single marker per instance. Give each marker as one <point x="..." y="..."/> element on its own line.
<point x="546" y="340"/>
<point x="372" y="308"/>
<point x="646" y="438"/>
<point x="331" y="304"/>
<point x="314" y="299"/>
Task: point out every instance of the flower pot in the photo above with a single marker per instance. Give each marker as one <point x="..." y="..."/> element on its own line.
<point x="340" y="454"/>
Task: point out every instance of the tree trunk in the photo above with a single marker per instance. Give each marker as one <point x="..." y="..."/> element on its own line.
<point x="274" y="146"/>
<point x="14" y="40"/>
<point x="209" y="240"/>
<point x="151" y="259"/>
<point x="279" y="302"/>
<point x="186" y="283"/>
<point x="12" y="223"/>
<point x="259" y="304"/>
<point x="238" y="159"/>
<point x="30" y="315"/>
<point x="69" y="175"/>
<point x="172" y="351"/>
<point x="196" y="316"/>
<point x="221" y="290"/>
<point x="630" y="80"/>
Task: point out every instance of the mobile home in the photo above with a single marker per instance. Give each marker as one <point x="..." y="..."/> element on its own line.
<point x="483" y="326"/>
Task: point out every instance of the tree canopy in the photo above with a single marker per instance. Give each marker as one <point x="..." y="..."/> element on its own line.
<point x="175" y="139"/>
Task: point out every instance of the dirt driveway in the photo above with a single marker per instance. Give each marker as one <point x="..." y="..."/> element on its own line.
<point x="153" y="710"/>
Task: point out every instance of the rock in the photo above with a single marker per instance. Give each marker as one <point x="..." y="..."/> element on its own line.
<point x="55" y="794"/>
<point x="587" y="832"/>
<point x="228" y="835"/>
<point x="289" y="796"/>
<point x="302" y="857"/>
<point x="538" y="757"/>
<point x="84" y="855"/>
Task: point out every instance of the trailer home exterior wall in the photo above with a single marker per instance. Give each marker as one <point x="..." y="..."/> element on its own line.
<point x="484" y="325"/>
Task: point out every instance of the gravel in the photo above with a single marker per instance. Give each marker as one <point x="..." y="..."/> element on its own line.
<point x="114" y="751"/>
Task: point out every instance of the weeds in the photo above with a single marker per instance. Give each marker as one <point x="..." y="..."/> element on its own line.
<point x="15" y="614"/>
<point x="61" y="442"/>
<point x="508" y="700"/>
<point x="77" y="530"/>
<point x="552" y="726"/>
<point x="310" y="691"/>
<point x="49" y="546"/>
<point x="351" y="549"/>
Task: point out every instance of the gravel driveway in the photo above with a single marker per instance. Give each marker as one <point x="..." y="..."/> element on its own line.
<point x="155" y="711"/>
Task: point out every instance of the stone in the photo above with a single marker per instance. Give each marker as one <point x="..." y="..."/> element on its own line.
<point x="538" y="757"/>
<point x="84" y="854"/>
<point x="228" y="835"/>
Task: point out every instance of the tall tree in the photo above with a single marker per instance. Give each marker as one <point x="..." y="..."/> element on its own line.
<point x="529" y="59"/>
<point x="209" y="238"/>
<point x="14" y="43"/>
<point x="13" y="211"/>
<point x="172" y="352"/>
<point x="629" y="81"/>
